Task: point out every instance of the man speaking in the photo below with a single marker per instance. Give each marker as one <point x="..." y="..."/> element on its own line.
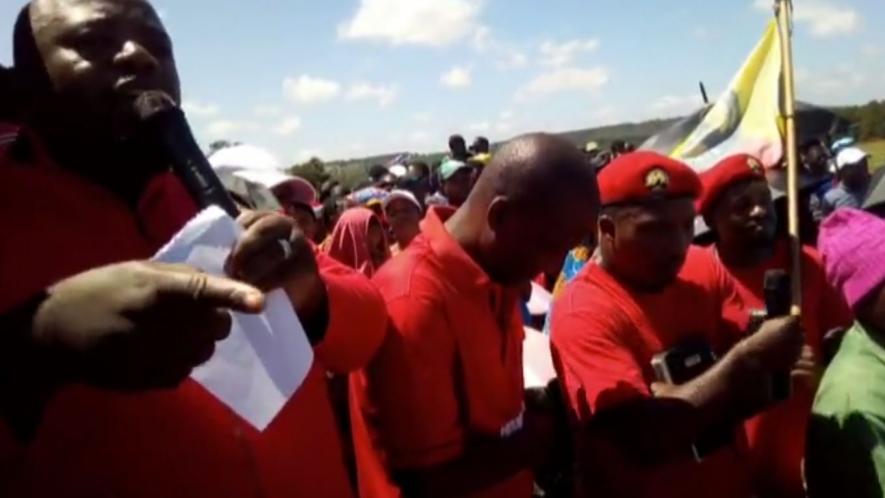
<point x="91" y="331"/>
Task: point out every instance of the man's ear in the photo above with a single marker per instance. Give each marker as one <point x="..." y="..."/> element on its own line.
<point x="606" y="227"/>
<point x="497" y="213"/>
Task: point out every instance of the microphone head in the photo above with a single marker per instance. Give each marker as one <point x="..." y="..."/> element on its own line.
<point x="151" y="103"/>
<point x="776" y="280"/>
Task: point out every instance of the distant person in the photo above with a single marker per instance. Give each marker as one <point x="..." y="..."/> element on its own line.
<point x="480" y="146"/>
<point x="738" y="207"/>
<point x="377" y="173"/>
<point x="852" y="181"/>
<point x="359" y="241"/>
<point x="442" y="410"/>
<point x="621" y="147"/>
<point x="403" y="213"/>
<point x="299" y="201"/>
<point x="818" y="164"/>
<point x="648" y="293"/>
<point x="456" y="180"/>
<point x="458" y="148"/>
<point x="846" y="438"/>
<point x="418" y="181"/>
<point x="419" y="170"/>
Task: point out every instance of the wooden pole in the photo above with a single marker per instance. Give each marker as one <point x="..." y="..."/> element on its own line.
<point x="784" y="9"/>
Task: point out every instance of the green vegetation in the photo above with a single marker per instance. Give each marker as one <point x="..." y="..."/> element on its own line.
<point x="875" y="148"/>
<point x="869" y="118"/>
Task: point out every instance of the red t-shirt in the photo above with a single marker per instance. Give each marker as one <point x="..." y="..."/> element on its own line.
<point x="176" y="443"/>
<point x="450" y="367"/>
<point x="776" y="437"/>
<point x="603" y="339"/>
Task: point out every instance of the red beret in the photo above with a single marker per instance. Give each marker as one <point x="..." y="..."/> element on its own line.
<point x="644" y="175"/>
<point x="726" y="173"/>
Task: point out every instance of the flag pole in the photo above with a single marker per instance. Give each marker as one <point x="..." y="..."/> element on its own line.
<point x="784" y="10"/>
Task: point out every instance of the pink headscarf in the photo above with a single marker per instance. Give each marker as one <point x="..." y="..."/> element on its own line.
<point x="349" y="242"/>
<point x="852" y="243"/>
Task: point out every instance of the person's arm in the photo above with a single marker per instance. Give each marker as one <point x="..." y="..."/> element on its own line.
<point x="130" y="326"/>
<point x="415" y="408"/>
<point x="653" y="427"/>
<point x="357" y="318"/>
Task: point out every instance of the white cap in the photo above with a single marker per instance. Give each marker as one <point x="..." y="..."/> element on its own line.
<point x="850" y="155"/>
<point x="398" y="170"/>
<point x="401" y="194"/>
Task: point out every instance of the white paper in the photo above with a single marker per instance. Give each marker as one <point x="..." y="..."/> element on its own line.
<point x="537" y="360"/>
<point x="266" y="357"/>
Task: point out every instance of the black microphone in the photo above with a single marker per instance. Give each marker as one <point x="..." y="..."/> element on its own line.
<point x="163" y="129"/>
<point x="778" y="299"/>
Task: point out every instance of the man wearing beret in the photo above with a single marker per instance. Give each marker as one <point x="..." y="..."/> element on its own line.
<point x="737" y="205"/>
<point x="649" y="291"/>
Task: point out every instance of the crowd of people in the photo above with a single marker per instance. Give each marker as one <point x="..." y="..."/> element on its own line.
<point x="680" y="371"/>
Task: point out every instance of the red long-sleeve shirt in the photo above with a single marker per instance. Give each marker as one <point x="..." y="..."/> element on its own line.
<point x="176" y="443"/>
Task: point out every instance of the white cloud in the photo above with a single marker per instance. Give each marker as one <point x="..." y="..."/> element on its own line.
<point x="306" y="89"/>
<point x="675" y="105"/>
<point x="225" y="128"/>
<point x="570" y="79"/>
<point x="422" y="117"/>
<point x="506" y="115"/>
<point x="417" y="22"/>
<point x="871" y="50"/>
<point x="825" y="19"/>
<point x="505" y="56"/>
<point x="199" y="110"/>
<point x="457" y="77"/>
<point x="481" y="127"/>
<point x="266" y="111"/>
<point x="288" y="126"/>
<point x="563" y="54"/>
<point x="512" y="59"/>
<point x="384" y="95"/>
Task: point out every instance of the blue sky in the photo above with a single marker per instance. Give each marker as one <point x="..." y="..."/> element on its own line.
<point x="345" y="78"/>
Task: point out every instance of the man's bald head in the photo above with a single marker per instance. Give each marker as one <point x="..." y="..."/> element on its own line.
<point x="536" y="200"/>
<point x="536" y="168"/>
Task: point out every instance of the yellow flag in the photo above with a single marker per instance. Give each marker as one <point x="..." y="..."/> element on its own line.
<point x="745" y="119"/>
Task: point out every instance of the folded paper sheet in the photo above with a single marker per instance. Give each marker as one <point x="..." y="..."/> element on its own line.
<point x="266" y="357"/>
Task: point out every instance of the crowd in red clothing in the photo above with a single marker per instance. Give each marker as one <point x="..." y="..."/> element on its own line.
<point x="667" y="353"/>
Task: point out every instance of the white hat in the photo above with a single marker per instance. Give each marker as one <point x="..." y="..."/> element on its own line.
<point x="250" y="163"/>
<point x="849" y="156"/>
<point x="398" y="170"/>
<point x="401" y="194"/>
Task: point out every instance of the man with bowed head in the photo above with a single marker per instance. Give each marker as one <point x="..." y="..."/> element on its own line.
<point x="440" y="411"/>
<point x="98" y="343"/>
<point x="648" y="292"/>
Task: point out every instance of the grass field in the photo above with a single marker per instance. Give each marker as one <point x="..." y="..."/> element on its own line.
<point x="877" y="150"/>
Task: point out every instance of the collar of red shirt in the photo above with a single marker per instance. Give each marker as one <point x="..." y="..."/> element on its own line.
<point x="461" y="269"/>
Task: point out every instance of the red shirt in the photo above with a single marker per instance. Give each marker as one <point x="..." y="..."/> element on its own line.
<point x="603" y="339"/>
<point x="176" y="443"/>
<point x="450" y="367"/>
<point x="776" y="437"/>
